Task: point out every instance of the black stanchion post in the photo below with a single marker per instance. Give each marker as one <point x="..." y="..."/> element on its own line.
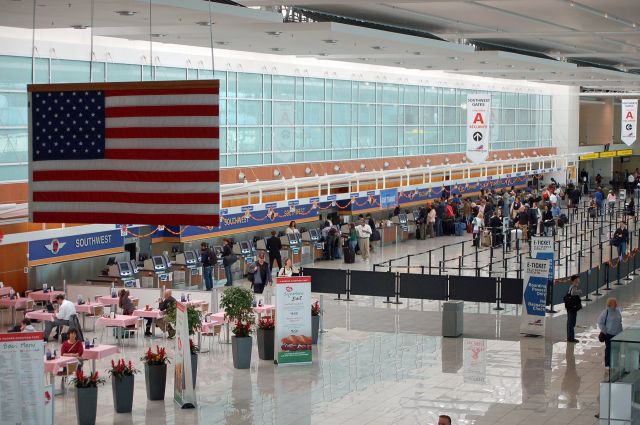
<point x="477" y="268"/>
<point x="459" y="266"/>
<point x="607" y="270"/>
<point x="430" y="262"/>
<point x="440" y="265"/>
<point x="498" y="294"/>
<point x="520" y="267"/>
<point x="490" y="260"/>
<point x="462" y="256"/>
<point x="550" y="292"/>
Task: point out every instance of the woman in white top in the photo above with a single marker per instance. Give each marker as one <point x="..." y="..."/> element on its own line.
<point x="478" y="224"/>
<point x="289" y="269"/>
<point x="292" y="228"/>
<point x="611" y="201"/>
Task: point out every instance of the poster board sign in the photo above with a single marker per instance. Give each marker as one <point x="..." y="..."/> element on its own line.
<point x="183" y="393"/>
<point x="478" y="124"/>
<point x="388" y="198"/>
<point x="629" y="120"/>
<point x="534" y="296"/>
<point x="22" y="399"/>
<point x="293" y="327"/>
<point x="542" y="249"/>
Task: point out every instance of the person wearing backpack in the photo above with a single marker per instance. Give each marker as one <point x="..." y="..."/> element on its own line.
<point x="573" y="303"/>
<point x="208" y="259"/>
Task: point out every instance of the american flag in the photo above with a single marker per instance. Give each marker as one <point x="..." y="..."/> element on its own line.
<point x="144" y="152"/>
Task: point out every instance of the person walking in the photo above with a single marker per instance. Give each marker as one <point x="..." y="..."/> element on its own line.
<point x="261" y="275"/>
<point x="363" y="231"/>
<point x="610" y="324"/>
<point x="208" y="259"/>
<point x="228" y="258"/>
<point x="611" y="202"/>
<point x="274" y="245"/>
<point x="573" y="303"/>
<point x="478" y="224"/>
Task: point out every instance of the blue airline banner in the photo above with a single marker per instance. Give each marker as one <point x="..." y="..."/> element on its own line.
<point x="388" y="198"/>
<point x="72" y="247"/>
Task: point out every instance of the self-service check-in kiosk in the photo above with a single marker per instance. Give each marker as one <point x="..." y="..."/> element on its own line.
<point x="402" y="227"/>
<point x="293" y="243"/>
<point x="157" y="272"/>
<point x="125" y="274"/>
<point x="312" y="238"/>
<point x="186" y="269"/>
<point x="218" y="269"/>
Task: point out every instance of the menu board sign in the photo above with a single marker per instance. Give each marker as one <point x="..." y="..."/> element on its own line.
<point x="293" y="327"/>
<point x="183" y="393"/>
<point x="22" y="377"/>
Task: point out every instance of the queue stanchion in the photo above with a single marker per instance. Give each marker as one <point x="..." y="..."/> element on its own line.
<point x="462" y="256"/>
<point x="429" y="261"/>
<point x="627" y="278"/>
<point x="460" y="266"/>
<point x="440" y="266"/>
<point x="520" y="267"/>
<point x="477" y="269"/>
<point x="498" y="294"/>
<point x="571" y="248"/>
<point x="491" y="259"/>
<point x="550" y="285"/>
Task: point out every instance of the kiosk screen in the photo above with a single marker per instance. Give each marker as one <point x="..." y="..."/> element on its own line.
<point x="158" y="263"/>
<point x="245" y="248"/>
<point x="190" y="257"/>
<point x="125" y="269"/>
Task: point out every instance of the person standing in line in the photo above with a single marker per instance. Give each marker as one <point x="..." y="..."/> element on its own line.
<point x="439" y="217"/>
<point x="621" y="238"/>
<point x="466" y="211"/>
<point x="599" y="198"/>
<point x="431" y="222"/>
<point x="610" y="324"/>
<point x="353" y="236"/>
<point x="573" y="304"/>
<point x="364" y="233"/>
<point x="611" y="202"/>
<point x="228" y="258"/>
<point x="372" y="224"/>
<point x="478" y="224"/>
<point x="274" y="245"/>
<point x="206" y="256"/>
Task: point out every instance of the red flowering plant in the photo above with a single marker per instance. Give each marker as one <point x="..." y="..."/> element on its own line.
<point x="193" y="347"/>
<point x="122" y="368"/>
<point x="158" y="358"/>
<point x="242" y="328"/>
<point x="86" y="381"/>
<point x="315" y="309"/>
<point x="266" y="323"/>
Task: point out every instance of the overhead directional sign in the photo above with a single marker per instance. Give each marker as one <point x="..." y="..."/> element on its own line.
<point x="629" y="120"/>
<point x="478" y="122"/>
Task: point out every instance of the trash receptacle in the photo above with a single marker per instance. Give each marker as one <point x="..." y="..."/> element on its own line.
<point x="452" y="318"/>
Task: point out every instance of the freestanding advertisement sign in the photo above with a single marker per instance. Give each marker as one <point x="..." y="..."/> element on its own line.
<point x="293" y="326"/>
<point x="629" y="120"/>
<point x="478" y="122"/>
<point x="542" y="249"/>
<point x="534" y="296"/>
<point x="183" y="393"/>
<point x="22" y="398"/>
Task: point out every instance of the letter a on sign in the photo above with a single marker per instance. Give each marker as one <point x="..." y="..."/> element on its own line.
<point x="478" y="117"/>
<point x="629" y="123"/>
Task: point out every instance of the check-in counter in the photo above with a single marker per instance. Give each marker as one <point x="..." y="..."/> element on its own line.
<point x="389" y="234"/>
<point x="186" y="270"/>
<point x="293" y="244"/>
<point x="122" y="274"/>
<point x="156" y="272"/>
<point x="312" y="239"/>
<point x="402" y="224"/>
<point x="246" y="254"/>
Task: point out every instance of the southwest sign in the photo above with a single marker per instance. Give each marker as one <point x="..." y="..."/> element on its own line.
<point x="68" y="248"/>
<point x="478" y="122"/>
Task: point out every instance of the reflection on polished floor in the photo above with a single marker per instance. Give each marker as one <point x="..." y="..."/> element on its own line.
<point x="384" y="364"/>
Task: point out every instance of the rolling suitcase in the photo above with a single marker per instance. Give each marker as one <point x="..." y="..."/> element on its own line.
<point x="349" y="254"/>
<point x="486" y="238"/>
<point x="469" y="228"/>
<point x="460" y="228"/>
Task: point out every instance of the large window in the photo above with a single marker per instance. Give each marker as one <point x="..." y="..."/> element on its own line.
<point x="275" y="119"/>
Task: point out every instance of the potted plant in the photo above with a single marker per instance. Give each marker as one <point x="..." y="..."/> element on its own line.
<point x="86" y="396"/>
<point x="155" y="372"/>
<point x="315" y="321"/>
<point x="237" y="304"/>
<point x="194" y="321"/>
<point x="122" y="380"/>
<point x="266" y="330"/>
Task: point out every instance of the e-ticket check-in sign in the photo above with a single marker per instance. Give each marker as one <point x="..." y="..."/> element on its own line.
<point x="534" y="296"/>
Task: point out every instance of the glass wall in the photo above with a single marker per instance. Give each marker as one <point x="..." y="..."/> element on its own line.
<point x="274" y="119"/>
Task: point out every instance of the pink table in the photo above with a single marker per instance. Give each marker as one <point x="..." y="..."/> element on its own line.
<point x="206" y="327"/>
<point x="87" y="308"/>
<point x="108" y="300"/>
<point x="120" y="321"/>
<point x="149" y="314"/>
<point x="194" y="303"/>
<point x="99" y="352"/>
<point x="41" y="315"/>
<point x="265" y="309"/>
<point x="53" y="366"/>
<point x="219" y="316"/>
<point x="5" y="291"/>
<point x="41" y="296"/>
<point x="13" y="305"/>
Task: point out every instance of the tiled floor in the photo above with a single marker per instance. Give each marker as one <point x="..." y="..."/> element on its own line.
<point x="384" y="364"/>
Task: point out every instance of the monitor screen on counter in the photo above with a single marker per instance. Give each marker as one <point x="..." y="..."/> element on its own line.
<point x="157" y="262"/>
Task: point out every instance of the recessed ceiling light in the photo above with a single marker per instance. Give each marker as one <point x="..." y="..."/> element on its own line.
<point x="323" y="54"/>
<point x="377" y="47"/>
<point x="222" y="43"/>
<point x="484" y="62"/>
<point x="509" y="66"/>
<point x="330" y="41"/>
<point x="158" y="35"/>
<point x="78" y="27"/>
<point x="125" y="12"/>
<point x="532" y="69"/>
<point x="204" y="23"/>
<point x="399" y="63"/>
<point x="453" y="58"/>
<point x="274" y="33"/>
<point x="417" y="53"/>
<point x="276" y="49"/>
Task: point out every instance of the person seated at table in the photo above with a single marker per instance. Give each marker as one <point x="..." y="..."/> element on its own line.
<point x="62" y="317"/>
<point x="26" y="326"/>
<point x="167" y="302"/>
<point x="125" y="303"/>
<point x="72" y="347"/>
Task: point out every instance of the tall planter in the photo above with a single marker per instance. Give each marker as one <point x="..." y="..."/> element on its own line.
<point x="122" y="388"/>
<point x="265" y="343"/>
<point x="241" y="349"/>
<point x="86" y="405"/>
<point x="156" y="379"/>
<point x="194" y="368"/>
<point x="315" y="326"/>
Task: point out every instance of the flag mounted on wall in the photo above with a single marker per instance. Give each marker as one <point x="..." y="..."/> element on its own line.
<point x="141" y="152"/>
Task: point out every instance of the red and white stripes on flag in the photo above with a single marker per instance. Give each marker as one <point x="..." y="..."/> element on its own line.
<point x="150" y="155"/>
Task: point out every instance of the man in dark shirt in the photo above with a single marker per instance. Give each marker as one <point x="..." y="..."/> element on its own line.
<point x="274" y="245"/>
<point x="496" y="228"/>
<point x="533" y="219"/>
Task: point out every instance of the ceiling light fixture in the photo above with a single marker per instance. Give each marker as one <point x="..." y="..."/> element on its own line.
<point x="274" y="33"/>
<point x="407" y="162"/>
<point x="204" y="23"/>
<point x="386" y="164"/>
<point x="307" y="171"/>
<point x="276" y="49"/>
<point x="125" y="12"/>
<point x="79" y="27"/>
<point x="276" y="172"/>
<point x="362" y="166"/>
<point x="336" y="168"/>
<point x="429" y="161"/>
<point x="323" y="54"/>
<point x="329" y="41"/>
<point x="377" y="47"/>
<point x="158" y="35"/>
<point x="241" y="176"/>
<point x="453" y="58"/>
